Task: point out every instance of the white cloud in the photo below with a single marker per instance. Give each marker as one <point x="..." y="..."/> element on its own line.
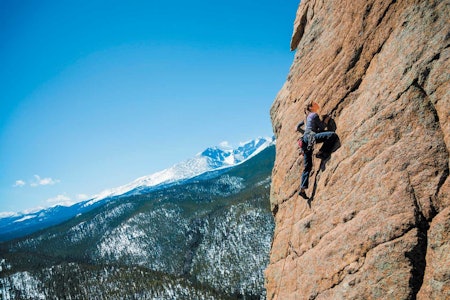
<point x="225" y="145"/>
<point x="19" y="183"/>
<point x="83" y="197"/>
<point x="32" y="210"/>
<point x="63" y="200"/>
<point x="43" y="181"/>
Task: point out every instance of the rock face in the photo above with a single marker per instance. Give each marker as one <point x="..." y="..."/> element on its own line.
<point x="378" y="224"/>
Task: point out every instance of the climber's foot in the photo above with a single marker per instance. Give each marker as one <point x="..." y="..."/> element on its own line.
<point x="303" y="194"/>
<point x="322" y="155"/>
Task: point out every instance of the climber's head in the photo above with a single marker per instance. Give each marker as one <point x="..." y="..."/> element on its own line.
<point x="311" y="106"/>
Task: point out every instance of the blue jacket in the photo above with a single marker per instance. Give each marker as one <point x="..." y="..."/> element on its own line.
<point x="314" y="124"/>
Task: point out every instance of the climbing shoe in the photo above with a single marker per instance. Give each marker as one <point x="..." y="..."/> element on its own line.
<point x="322" y="155"/>
<point x="303" y="194"/>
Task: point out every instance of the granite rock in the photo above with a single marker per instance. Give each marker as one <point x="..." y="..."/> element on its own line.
<point x="377" y="223"/>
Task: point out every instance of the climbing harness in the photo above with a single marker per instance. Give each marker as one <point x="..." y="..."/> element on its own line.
<point x="311" y="142"/>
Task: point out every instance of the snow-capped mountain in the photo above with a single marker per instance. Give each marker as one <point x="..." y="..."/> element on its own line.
<point x="206" y="237"/>
<point x="211" y="159"/>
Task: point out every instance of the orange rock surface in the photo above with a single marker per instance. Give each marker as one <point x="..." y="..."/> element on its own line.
<point x="377" y="226"/>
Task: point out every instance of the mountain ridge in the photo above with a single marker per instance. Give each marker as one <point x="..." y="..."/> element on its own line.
<point x="213" y="159"/>
<point x="197" y="233"/>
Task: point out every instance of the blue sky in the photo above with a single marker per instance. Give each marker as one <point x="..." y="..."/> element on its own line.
<point x="97" y="93"/>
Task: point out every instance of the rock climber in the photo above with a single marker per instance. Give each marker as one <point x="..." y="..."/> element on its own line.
<point x="314" y="133"/>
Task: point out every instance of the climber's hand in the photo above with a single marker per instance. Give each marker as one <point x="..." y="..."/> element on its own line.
<point x="326" y="118"/>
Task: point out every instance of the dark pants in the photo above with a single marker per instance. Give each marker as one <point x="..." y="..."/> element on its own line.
<point x="328" y="138"/>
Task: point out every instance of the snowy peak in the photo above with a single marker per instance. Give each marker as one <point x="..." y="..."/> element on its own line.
<point x="225" y="155"/>
<point x="212" y="158"/>
<point x="250" y="149"/>
<point x="218" y="156"/>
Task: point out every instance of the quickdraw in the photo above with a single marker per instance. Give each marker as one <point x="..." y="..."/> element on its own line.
<point x="311" y="141"/>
